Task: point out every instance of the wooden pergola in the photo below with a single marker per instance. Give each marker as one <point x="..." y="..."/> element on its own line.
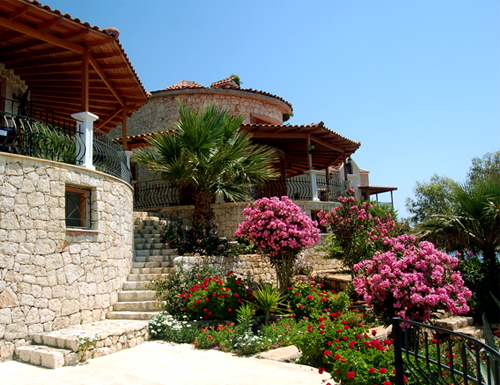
<point x="69" y="66"/>
<point x="306" y="147"/>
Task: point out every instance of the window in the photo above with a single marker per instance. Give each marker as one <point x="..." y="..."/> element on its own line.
<point x="78" y="208"/>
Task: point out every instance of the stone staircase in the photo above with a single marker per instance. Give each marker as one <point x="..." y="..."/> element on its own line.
<point x="127" y="324"/>
<point x="152" y="257"/>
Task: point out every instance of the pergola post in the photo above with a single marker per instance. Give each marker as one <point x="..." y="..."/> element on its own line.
<point x="85" y="127"/>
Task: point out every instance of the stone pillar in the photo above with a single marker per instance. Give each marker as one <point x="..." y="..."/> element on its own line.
<point x="128" y="154"/>
<point x="314" y="185"/>
<point x="86" y="129"/>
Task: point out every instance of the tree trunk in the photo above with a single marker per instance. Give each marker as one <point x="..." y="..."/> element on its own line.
<point x="283" y="263"/>
<point x="204" y="216"/>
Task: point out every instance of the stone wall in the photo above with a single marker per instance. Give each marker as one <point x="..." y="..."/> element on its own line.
<point x="10" y="85"/>
<point x="228" y="215"/>
<point x="257" y="268"/>
<point x="52" y="276"/>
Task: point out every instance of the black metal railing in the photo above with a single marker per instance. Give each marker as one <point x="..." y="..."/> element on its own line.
<point x="331" y="191"/>
<point x="431" y="355"/>
<point x="26" y="130"/>
<point x="108" y="157"/>
<point x="160" y="193"/>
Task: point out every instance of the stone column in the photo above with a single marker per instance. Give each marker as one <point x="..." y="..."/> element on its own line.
<point x="86" y="129"/>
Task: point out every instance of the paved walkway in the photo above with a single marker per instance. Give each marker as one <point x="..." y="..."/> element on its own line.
<point x="160" y="363"/>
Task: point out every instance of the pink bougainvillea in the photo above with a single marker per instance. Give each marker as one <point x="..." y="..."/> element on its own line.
<point x="277" y="226"/>
<point x="356" y="233"/>
<point x="411" y="281"/>
<point x="279" y="229"/>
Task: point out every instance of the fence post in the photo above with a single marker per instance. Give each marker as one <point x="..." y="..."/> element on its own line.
<point x="85" y="124"/>
<point x="398" y="354"/>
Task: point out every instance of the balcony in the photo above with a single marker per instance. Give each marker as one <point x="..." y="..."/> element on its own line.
<point x="26" y="129"/>
<point x="158" y="193"/>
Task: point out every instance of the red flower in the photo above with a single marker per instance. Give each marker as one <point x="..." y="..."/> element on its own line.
<point x="321" y="370"/>
<point x="323" y="299"/>
<point x="206" y="299"/>
<point x="337" y="357"/>
<point x="327" y="352"/>
<point x="387" y="383"/>
<point x="229" y="309"/>
<point x="382" y="370"/>
<point x="309" y="297"/>
<point x="346" y="327"/>
<point x="351" y="375"/>
<point x="330" y="343"/>
<point x="300" y="306"/>
<point x="374" y="333"/>
<point x="371" y="370"/>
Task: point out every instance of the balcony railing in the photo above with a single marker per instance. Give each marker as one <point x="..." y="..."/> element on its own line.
<point x="430" y="355"/>
<point x="109" y="158"/>
<point x="38" y="133"/>
<point x="28" y="130"/>
<point x="160" y="193"/>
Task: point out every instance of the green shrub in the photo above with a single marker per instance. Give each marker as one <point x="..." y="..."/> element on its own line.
<point x="307" y="299"/>
<point x="215" y="298"/>
<point x="339" y="302"/>
<point x="169" y="287"/>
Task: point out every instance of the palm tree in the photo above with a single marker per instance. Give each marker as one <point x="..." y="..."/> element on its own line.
<point x="206" y="150"/>
<point x="474" y="225"/>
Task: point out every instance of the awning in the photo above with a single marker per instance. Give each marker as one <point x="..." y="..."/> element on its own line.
<point x="60" y="58"/>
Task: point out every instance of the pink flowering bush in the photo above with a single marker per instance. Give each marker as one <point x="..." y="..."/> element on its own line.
<point x="356" y="233"/>
<point x="411" y="281"/>
<point x="279" y="229"/>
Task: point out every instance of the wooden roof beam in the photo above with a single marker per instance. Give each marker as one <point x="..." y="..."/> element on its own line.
<point x="106" y="80"/>
<point x="9" y="35"/>
<point x="326" y="144"/>
<point x="19" y="12"/>
<point x="48" y="23"/>
<point x="40" y="35"/>
<point x="14" y="57"/>
<point x="107" y="119"/>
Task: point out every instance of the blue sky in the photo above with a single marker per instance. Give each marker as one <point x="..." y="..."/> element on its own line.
<point x="416" y="81"/>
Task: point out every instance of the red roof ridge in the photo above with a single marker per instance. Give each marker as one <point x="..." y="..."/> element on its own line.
<point x="183" y="84"/>
<point x="229" y="82"/>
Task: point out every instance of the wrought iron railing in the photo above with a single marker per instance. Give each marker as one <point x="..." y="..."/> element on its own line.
<point x="34" y="132"/>
<point x="331" y="191"/>
<point x="108" y="157"/>
<point x="161" y="194"/>
<point x="431" y="355"/>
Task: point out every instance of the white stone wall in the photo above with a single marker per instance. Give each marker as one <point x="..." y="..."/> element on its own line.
<point x="50" y="276"/>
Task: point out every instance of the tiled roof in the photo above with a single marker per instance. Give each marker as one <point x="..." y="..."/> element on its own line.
<point x="106" y="31"/>
<point x="183" y="84"/>
<point x="229" y="82"/>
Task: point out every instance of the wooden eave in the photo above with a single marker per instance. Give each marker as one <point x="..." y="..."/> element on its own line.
<point x="45" y="49"/>
<point x="331" y="148"/>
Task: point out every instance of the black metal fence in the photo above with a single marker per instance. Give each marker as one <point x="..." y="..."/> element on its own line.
<point x="38" y="133"/>
<point x="163" y="194"/>
<point x="32" y="131"/>
<point x="108" y="157"/>
<point x="431" y="355"/>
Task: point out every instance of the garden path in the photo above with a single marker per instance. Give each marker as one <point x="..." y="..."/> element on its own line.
<point x="160" y="363"/>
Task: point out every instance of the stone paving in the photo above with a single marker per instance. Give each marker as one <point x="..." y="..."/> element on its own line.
<point x="159" y="363"/>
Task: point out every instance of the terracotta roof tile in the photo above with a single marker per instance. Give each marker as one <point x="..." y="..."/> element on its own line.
<point x="107" y="31"/>
<point x="183" y="84"/>
<point x="225" y="83"/>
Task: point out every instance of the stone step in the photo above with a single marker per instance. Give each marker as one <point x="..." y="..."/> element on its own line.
<point x="167" y="259"/>
<point x="141" y="235"/>
<point x="131" y="315"/>
<point x="143" y="277"/>
<point x="136" y="295"/>
<point x="148" y="230"/>
<point x="137" y="306"/>
<point x="150" y="270"/>
<point x="47" y="356"/>
<point x="146" y="253"/>
<point x="60" y="348"/>
<point x="453" y="323"/>
<point x="150" y="246"/>
<point x="134" y="285"/>
<point x="139" y="265"/>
